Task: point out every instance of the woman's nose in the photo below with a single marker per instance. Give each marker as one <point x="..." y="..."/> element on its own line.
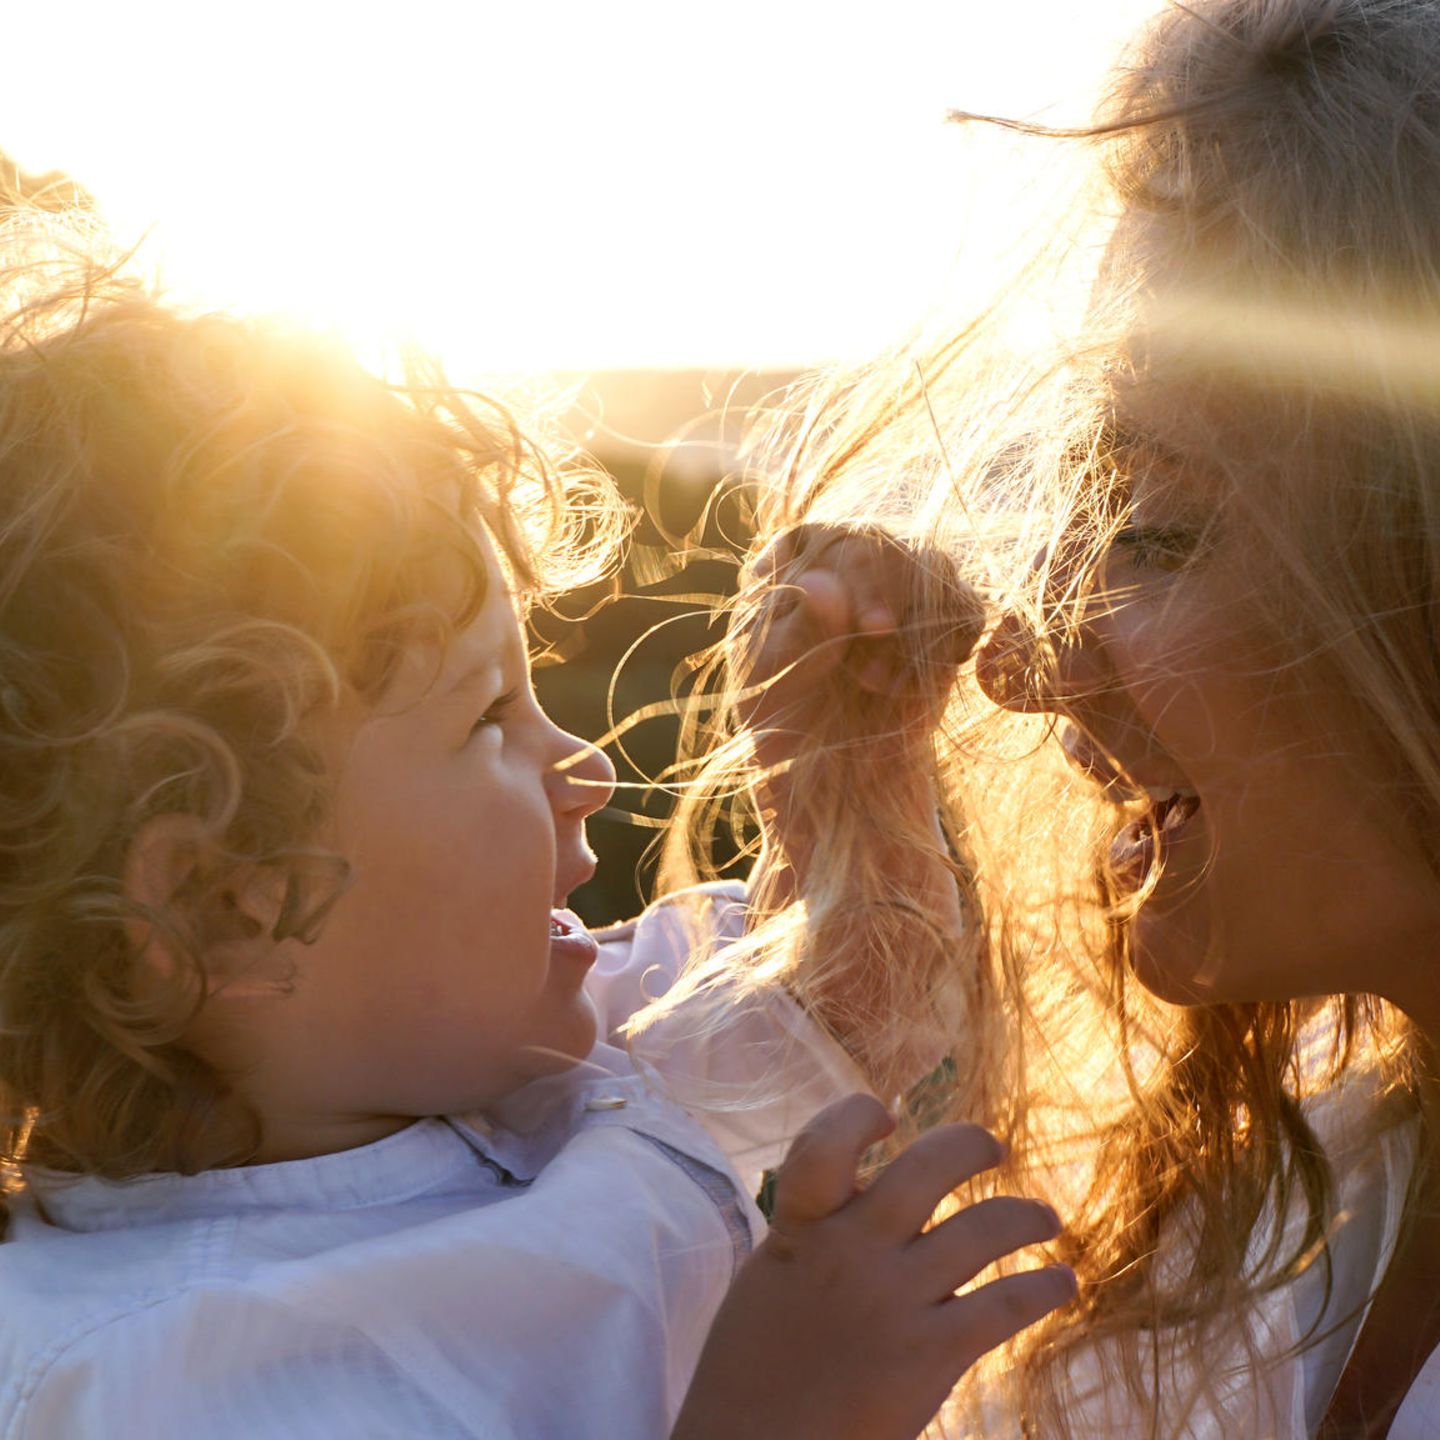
<point x="583" y="778"/>
<point x="1007" y="665"/>
<point x="1019" y="673"/>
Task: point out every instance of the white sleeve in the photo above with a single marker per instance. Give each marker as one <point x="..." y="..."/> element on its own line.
<point x="754" y="1081"/>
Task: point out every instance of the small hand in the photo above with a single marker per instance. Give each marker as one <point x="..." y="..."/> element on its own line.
<point x="844" y="1322"/>
<point x="850" y="631"/>
<point x="844" y="654"/>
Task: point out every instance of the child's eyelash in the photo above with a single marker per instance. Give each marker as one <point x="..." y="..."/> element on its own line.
<point x="496" y="711"/>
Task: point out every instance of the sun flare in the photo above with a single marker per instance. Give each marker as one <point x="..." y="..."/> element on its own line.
<point x="534" y="187"/>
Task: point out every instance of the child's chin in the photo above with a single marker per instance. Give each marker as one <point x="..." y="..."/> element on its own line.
<point x="573" y="1040"/>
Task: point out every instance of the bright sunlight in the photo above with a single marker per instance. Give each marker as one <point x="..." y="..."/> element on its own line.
<point x="525" y="187"/>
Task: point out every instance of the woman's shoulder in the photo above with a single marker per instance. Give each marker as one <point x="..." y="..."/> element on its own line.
<point x="1273" y="1368"/>
<point x="1353" y="1106"/>
<point x="1368" y="1132"/>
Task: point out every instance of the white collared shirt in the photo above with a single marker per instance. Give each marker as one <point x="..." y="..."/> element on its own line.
<point x="550" y="1275"/>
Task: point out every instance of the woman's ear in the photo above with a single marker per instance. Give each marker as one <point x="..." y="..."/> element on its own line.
<point x="173" y="869"/>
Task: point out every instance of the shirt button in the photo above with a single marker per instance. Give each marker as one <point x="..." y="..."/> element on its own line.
<point x="606" y="1102"/>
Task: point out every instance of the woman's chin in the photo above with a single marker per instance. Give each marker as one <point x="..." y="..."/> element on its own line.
<point x="1171" y="961"/>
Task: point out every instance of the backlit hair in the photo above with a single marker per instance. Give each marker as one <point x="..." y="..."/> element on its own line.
<point x="212" y="530"/>
<point x="1269" y="298"/>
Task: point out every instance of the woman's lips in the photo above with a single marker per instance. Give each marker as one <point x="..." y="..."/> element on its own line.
<point x="1142" y="843"/>
<point x="570" y="940"/>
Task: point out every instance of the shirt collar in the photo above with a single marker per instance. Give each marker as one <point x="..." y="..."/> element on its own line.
<point x="424" y="1157"/>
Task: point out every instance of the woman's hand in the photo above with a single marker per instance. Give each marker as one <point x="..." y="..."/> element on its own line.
<point x="844" y="1322"/>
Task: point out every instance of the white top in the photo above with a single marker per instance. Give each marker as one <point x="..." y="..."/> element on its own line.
<point x="550" y="1274"/>
<point x="1419" y="1416"/>
<point x="1289" y="1395"/>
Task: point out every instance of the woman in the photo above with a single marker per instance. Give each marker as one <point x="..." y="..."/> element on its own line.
<point x="1230" y="638"/>
<point x="1237" y="622"/>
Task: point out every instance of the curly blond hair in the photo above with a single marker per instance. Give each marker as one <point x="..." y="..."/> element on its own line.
<point x="211" y="530"/>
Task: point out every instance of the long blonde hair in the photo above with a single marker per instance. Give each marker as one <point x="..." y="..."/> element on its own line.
<point x="1269" y="170"/>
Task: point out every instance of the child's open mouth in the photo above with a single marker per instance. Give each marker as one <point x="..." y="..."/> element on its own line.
<point x="570" y="940"/>
<point x="1142" y="843"/>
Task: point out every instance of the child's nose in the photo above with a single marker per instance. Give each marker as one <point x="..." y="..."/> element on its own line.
<point x="583" y="779"/>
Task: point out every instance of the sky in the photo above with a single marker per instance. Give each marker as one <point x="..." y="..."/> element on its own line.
<point x="531" y="186"/>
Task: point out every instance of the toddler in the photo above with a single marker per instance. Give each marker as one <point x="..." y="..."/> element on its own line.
<point x="314" y="1115"/>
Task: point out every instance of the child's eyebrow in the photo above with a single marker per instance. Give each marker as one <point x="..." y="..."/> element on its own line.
<point x="481" y="673"/>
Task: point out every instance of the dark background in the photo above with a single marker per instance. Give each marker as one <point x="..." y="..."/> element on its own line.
<point x="669" y="438"/>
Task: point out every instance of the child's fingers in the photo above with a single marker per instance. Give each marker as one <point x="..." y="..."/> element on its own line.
<point x="956" y="1251"/>
<point x="777" y="554"/>
<point x="989" y="1316"/>
<point x="866" y="570"/>
<point x="822" y="612"/>
<point x="856" y="601"/>
<point x="905" y="1195"/>
<point x="818" y="1174"/>
<point x="860" y="574"/>
<point x="827" y="633"/>
<point x="798" y="619"/>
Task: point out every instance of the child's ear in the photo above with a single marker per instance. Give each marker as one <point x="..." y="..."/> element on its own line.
<point x="172" y="869"/>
